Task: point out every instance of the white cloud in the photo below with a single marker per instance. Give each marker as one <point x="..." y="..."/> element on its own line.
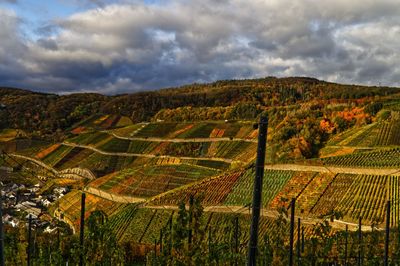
<point x="122" y="47"/>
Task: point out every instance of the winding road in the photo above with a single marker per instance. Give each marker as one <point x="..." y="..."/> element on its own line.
<point x="178" y="140"/>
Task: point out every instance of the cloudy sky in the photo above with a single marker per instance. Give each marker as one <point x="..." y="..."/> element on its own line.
<point x="112" y="46"/>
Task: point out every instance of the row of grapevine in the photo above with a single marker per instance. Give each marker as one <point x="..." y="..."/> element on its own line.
<point x="381" y="158"/>
<point x="332" y="195"/>
<point x="366" y="136"/>
<point x="293" y="189"/>
<point x="365" y="198"/>
<point x="236" y="150"/>
<point x="90" y="138"/>
<point x="356" y="196"/>
<point x="100" y="122"/>
<point x="273" y="182"/>
<point x="212" y="191"/>
<point x="121" y="219"/>
<point x="389" y="133"/>
<point x="143" y="225"/>
<point x="74" y="158"/>
<point x="152" y="180"/>
<point x="311" y="194"/>
<point x="59" y="153"/>
<point x="69" y="206"/>
<point x="193" y="130"/>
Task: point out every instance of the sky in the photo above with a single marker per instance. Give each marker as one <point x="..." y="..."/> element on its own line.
<point x="125" y="46"/>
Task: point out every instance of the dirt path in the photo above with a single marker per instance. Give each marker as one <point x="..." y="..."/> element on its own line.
<point x="146" y="155"/>
<point x="72" y="173"/>
<point x="40" y="163"/>
<point x="181" y="140"/>
<point x="335" y="169"/>
<point x="113" y="197"/>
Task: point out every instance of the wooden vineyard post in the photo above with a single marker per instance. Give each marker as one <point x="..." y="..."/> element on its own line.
<point x="387" y="234"/>
<point x="170" y="236"/>
<point x="161" y="241"/>
<point x="291" y="240"/>
<point x="155" y="248"/>
<point x="298" y="242"/>
<point x="236" y="238"/>
<point x="345" y="244"/>
<point x="209" y="241"/>
<point x="359" y="242"/>
<point x="2" y="259"/>
<point x="256" y="206"/>
<point x="29" y="239"/>
<point x="190" y="220"/>
<point x="82" y="228"/>
<point x="302" y="239"/>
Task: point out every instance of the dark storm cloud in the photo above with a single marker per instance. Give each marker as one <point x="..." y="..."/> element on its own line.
<point x="8" y="1"/>
<point x="134" y="46"/>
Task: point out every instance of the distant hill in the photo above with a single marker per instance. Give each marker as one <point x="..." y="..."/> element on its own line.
<point x="45" y="113"/>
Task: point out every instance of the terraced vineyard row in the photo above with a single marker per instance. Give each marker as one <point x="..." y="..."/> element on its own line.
<point x="212" y="191"/>
<point x="151" y="180"/>
<point x="144" y="225"/>
<point x="366" y="198"/>
<point x="90" y="138"/>
<point x="70" y="204"/>
<point x="102" y="122"/>
<point x="389" y="133"/>
<point x="191" y="130"/>
<point x="359" y="196"/>
<point x="314" y="191"/>
<point x="54" y="157"/>
<point x="332" y="195"/>
<point x="382" y="158"/>
<point x="273" y="182"/>
<point x="120" y="220"/>
<point x="234" y="150"/>
<point x="293" y="189"/>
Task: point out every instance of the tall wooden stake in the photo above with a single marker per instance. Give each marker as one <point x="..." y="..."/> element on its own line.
<point x="291" y="240"/>
<point x="387" y="234"/>
<point x="298" y="242"/>
<point x="256" y="206"/>
<point x="82" y="229"/>
<point x="191" y="199"/>
<point x="236" y="238"/>
<point x="161" y="241"/>
<point x="345" y="245"/>
<point x="2" y="258"/>
<point x="302" y="239"/>
<point x="359" y="242"/>
<point x="29" y="239"/>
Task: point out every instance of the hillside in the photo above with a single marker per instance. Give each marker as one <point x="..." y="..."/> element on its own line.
<point x="334" y="148"/>
<point x="45" y="113"/>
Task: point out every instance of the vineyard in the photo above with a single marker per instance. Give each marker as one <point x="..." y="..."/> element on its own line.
<point x="152" y="180"/>
<point x="234" y="149"/>
<point x="273" y="182"/>
<point x="389" y="133"/>
<point x="101" y="122"/>
<point x="379" y="159"/>
<point x="143" y="225"/>
<point x="212" y="191"/>
<point x="68" y="208"/>
<point x="191" y="130"/>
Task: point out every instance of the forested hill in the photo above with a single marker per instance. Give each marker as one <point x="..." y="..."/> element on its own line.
<point x="232" y="99"/>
